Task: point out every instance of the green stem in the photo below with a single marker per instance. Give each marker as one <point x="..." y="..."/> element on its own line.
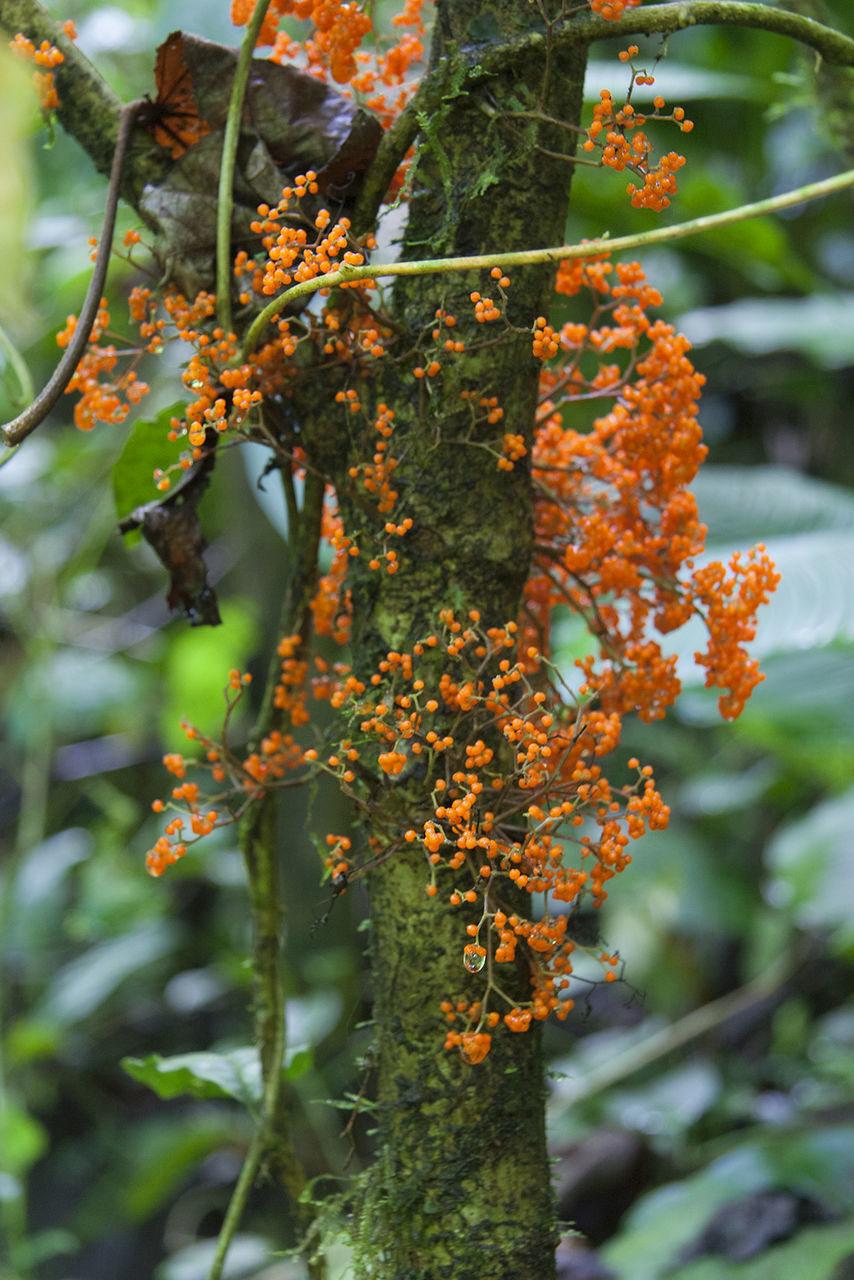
<point x="260" y="852"/>
<point x="16" y="362"/>
<point x="529" y="257"/>
<point x="257" y="1147"/>
<point x="226" y="169"/>
<point x="667" y="19"/>
<point x="26" y="389"/>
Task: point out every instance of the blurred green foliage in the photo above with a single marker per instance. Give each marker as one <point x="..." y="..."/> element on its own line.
<point x="741" y="910"/>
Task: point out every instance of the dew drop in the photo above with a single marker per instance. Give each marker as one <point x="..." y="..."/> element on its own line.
<point x="474" y="958"/>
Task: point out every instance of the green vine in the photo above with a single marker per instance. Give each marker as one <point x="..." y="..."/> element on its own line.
<point x="530" y="257"/>
<point x="226" y="170"/>
<point x="258" y="844"/>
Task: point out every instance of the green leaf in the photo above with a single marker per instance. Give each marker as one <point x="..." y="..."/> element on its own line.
<point x="817" y="327"/>
<point x="30" y="1041"/>
<point x="85" y="983"/>
<point x="234" y="1074"/>
<point x="163" y="1155"/>
<point x="813" y="605"/>
<point x="22" y="1139"/>
<point x="718" y="792"/>
<point x="17" y="108"/>
<point x="669" y="1104"/>
<point x="759" y="249"/>
<point x="811" y="1253"/>
<point x="43" y="1246"/>
<point x="750" y="504"/>
<point x="146" y="448"/>
<point x="800" y="714"/>
<point x="818" y="1163"/>
<point x="808" y="528"/>
<point x="247" y="1256"/>
<point x="39" y="894"/>
<point x="832" y="1047"/>
<point x="812" y="868"/>
<point x="300" y="1062"/>
<point x="801" y="691"/>
<point x="678" y="82"/>
<point x="197" y="666"/>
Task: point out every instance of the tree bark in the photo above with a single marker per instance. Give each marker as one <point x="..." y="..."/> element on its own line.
<point x="461" y="1187"/>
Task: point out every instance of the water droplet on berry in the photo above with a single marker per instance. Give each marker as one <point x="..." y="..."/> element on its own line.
<point x="474" y="958"/>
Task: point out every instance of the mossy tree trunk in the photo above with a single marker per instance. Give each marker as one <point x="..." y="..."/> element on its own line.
<point x="462" y="1186"/>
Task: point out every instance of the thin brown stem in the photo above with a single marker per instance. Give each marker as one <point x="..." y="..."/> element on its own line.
<point x="19" y="428"/>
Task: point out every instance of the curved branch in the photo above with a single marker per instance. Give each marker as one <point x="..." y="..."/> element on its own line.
<point x="666" y="19"/>
<point x="529" y="257"/>
<point x="19" y="428"/>
<point x="394" y="145"/>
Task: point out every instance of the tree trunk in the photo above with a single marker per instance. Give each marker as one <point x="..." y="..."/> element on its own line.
<point x="461" y="1187"/>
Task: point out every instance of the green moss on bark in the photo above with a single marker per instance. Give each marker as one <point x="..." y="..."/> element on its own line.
<point x="461" y="1187"/>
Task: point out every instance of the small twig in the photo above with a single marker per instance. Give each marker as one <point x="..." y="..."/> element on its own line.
<point x="19" y="428"/>
<point x="692" y="1026"/>
<point x="572" y="29"/>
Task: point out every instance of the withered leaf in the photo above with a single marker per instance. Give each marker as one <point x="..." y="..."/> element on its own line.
<point x="173" y="119"/>
<point x="175" y="535"/>
<point x="291" y="122"/>
<point x="171" y="528"/>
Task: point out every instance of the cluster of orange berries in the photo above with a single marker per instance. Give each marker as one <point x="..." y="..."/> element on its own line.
<point x="489" y="747"/>
<point x="616" y="525"/>
<point x="486" y="309"/>
<point x="339" y="27"/>
<point x="434" y="351"/>
<point x="46" y="55"/>
<point x="297" y="248"/>
<point x="612" y="10"/>
<point x="512" y="798"/>
<point x="375" y="477"/>
<point x="388" y="67"/>
<point x="729" y="604"/>
<point x="333" y="48"/>
<point x="223" y="390"/>
<point x="546" y="343"/>
<point x="331" y="607"/>
<point x="513" y="448"/>
<point x="103" y="398"/>
<point x="290" y="257"/>
<point x="235" y="781"/>
<point x="194" y="813"/>
<point x="626" y="145"/>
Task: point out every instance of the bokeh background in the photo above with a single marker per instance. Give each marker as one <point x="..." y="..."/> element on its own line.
<point x="719" y="1072"/>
